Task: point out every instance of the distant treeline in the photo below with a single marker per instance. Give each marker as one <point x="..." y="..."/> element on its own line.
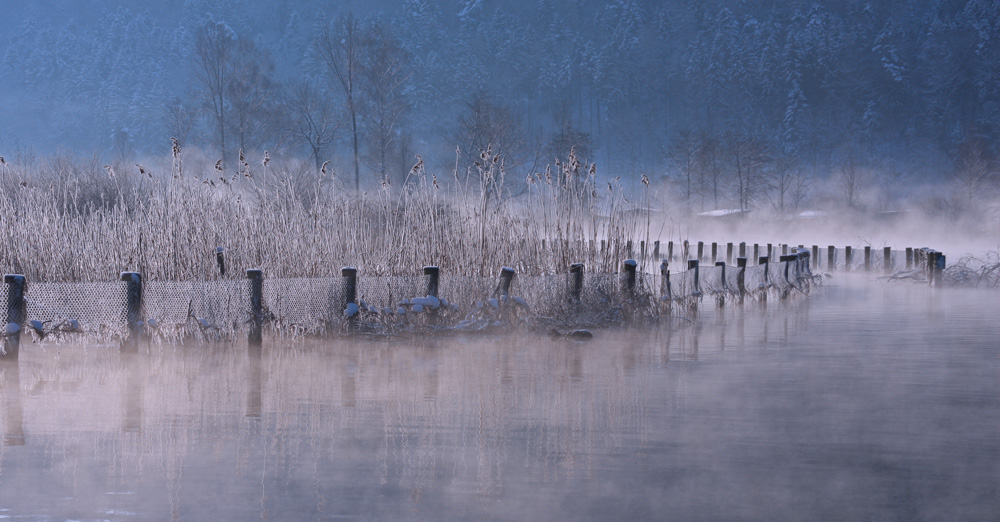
<point x="737" y="102"/>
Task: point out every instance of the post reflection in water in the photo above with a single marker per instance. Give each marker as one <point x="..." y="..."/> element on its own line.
<point x="13" y="422"/>
<point x="797" y="410"/>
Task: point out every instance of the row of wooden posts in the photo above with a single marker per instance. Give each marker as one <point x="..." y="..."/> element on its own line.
<point x="915" y="257"/>
<point x="16" y="310"/>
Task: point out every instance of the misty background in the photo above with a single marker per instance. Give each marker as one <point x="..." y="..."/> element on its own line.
<point x="751" y="105"/>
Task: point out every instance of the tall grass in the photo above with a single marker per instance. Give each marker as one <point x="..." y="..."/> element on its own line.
<point x="75" y="220"/>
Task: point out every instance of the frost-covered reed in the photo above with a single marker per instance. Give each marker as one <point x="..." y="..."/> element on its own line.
<point x="72" y="220"/>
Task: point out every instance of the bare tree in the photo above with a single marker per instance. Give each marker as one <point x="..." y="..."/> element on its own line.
<point x="339" y="47"/>
<point x="311" y="119"/>
<point x="851" y="178"/>
<point x="214" y="48"/>
<point x="748" y="156"/>
<point x="489" y="125"/>
<point x="385" y="71"/>
<point x="683" y="152"/>
<point x="179" y="120"/>
<point x="251" y="92"/>
<point x="973" y="172"/>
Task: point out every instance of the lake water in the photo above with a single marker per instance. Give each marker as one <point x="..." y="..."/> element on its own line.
<point x="864" y="401"/>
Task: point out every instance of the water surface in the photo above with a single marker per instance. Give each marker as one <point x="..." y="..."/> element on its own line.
<point x="864" y="401"/>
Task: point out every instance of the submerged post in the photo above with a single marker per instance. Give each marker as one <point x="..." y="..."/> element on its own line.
<point x="256" y="279"/>
<point x="506" y="276"/>
<point x="786" y="260"/>
<point x="576" y="281"/>
<point x="15" y="315"/>
<point x="220" y="261"/>
<point x="433" y="274"/>
<point x="887" y="260"/>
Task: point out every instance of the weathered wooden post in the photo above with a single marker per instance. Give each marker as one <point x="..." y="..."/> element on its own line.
<point x="715" y="252"/>
<point x="433" y="274"/>
<point x="909" y="258"/>
<point x="784" y="249"/>
<point x="16" y="312"/>
<point x="670" y="251"/>
<point x="787" y="260"/>
<point x="665" y="281"/>
<point x="629" y="267"/>
<point x="628" y="247"/>
<point x="848" y="258"/>
<point x="256" y="278"/>
<point x="642" y="250"/>
<point x="729" y="253"/>
<point x="741" y="265"/>
<point x="831" y="258"/>
<point x="887" y="260"/>
<point x="764" y="261"/>
<point x="770" y="249"/>
<point x="743" y="249"/>
<point x="701" y="250"/>
<point x="576" y="281"/>
<point x="756" y="251"/>
<point x="693" y="265"/>
<point x="133" y="310"/>
<point x="506" y="277"/>
<point x="656" y="249"/>
<point x="815" y="257"/>
<point x="220" y="261"/>
<point x="868" y="258"/>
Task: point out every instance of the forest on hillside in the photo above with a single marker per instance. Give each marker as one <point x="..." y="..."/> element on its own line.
<point x="733" y="104"/>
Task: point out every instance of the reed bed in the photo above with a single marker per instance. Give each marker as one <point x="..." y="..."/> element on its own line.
<point x="78" y="221"/>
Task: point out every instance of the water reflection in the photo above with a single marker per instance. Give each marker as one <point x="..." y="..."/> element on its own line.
<point x="865" y="402"/>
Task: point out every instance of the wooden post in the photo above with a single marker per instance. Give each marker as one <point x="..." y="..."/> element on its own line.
<point x="628" y="247"/>
<point x="868" y="258"/>
<point x="220" y="261"/>
<point x="787" y="260"/>
<point x="931" y="265"/>
<point x="770" y="249"/>
<point x="721" y="298"/>
<point x="16" y="311"/>
<point x="576" y="281"/>
<point x="693" y="265"/>
<point x="939" y="266"/>
<point x="133" y="310"/>
<point x="715" y="252"/>
<point x="831" y="258"/>
<point x="629" y="267"/>
<point x="256" y="277"/>
<point x="642" y="250"/>
<point x="506" y="277"/>
<point x="656" y="249"/>
<point x="741" y="264"/>
<point x="670" y="251"/>
<point x="743" y="249"/>
<point x="848" y="258"/>
<point x="729" y="253"/>
<point x="764" y="261"/>
<point x="701" y="250"/>
<point x="887" y="260"/>
<point x="433" y="274"/>
<point x="909" y="258"/>
<point x="815" y="257"/>
<point x="784" y="249"/>
<point x="756" y="251"/>
<point x="665" y="280"/>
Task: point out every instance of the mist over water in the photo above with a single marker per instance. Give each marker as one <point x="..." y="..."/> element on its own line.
<point x="863" y="401"/>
